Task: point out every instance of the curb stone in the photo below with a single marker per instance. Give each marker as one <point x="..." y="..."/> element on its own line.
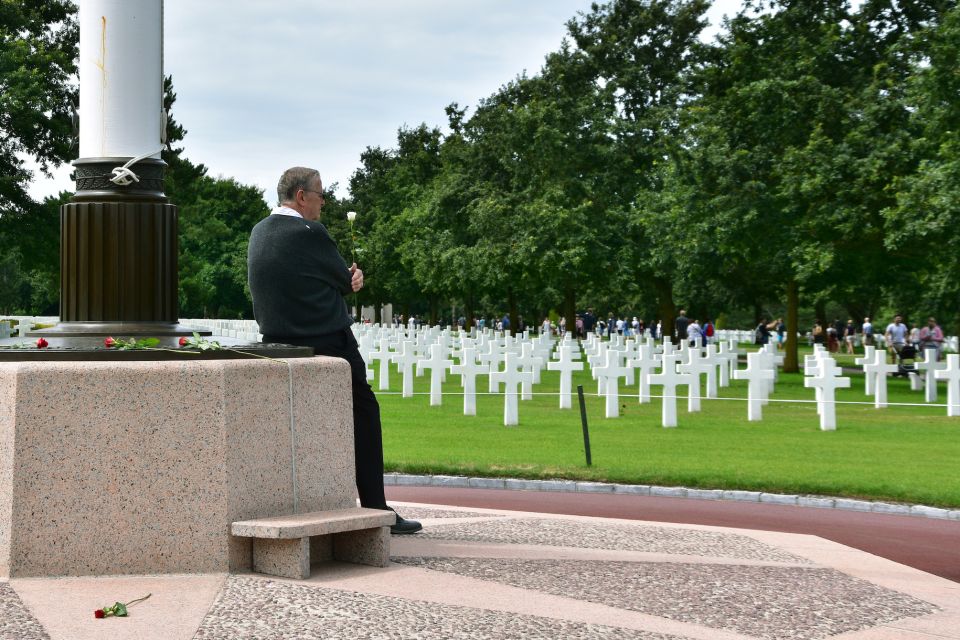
<point x="571" y="486"/>
<point x="854" y="505"/>
<point x="632" y="489"/>
<point x="743" y="496"/>
<point x="779" y="498"/>
<point x="668" y="492"/>
<point x="822" y="503"/>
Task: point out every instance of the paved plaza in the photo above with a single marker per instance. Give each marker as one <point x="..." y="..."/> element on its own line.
<point x="484" y="573"/>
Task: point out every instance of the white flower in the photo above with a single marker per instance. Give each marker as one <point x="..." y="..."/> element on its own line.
<point x="351" y="215"/>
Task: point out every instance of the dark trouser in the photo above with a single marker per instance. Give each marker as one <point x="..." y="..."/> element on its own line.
<point x="367" y="437"/>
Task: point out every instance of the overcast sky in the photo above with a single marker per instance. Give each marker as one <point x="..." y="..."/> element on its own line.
<point x="262" y="86"/>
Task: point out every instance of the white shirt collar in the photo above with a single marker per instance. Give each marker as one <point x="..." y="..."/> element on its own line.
<point x="286" y="211"/>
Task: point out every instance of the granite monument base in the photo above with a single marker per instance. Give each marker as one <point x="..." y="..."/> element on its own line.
<point x="141" y="467"/>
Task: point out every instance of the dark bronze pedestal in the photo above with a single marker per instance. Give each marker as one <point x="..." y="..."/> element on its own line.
<point x="118" y="255"/>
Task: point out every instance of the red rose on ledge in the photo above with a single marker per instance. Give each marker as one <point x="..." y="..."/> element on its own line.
<point x="42" y="344"/>
<point x="109" y="342"/>
<point x="99" y="613"/>
<point x="183" y="341"/>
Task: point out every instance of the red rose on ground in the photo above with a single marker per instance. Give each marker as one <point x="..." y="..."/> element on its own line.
<point x="183" y="341"/>
<point x="42" y="344"/>
<point x="98" y="613"/>
<point x="109" y="342"/>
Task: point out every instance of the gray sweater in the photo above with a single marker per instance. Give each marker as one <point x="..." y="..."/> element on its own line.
<point x="297" y="278"/>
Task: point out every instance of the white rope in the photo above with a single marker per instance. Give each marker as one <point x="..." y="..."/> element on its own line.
<point x="588" y="394"/>
<point x="123" y="176"/>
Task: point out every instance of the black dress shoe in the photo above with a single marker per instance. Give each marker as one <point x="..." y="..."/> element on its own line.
<point x="403" y="526"/>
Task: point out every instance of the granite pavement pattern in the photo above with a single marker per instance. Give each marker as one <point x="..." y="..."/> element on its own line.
<point x="612" y="536"/>
<point x="766" y="602"/>
<point x="253" y="607"/>
<point x="16" y="621"/>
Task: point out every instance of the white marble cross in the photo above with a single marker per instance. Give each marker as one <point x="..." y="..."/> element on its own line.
<point x="365" y="346"/>
<point x="812" y="366"/>
<point x="729" y="356"/>
<point x="566" y="366"/>
<point x="916" y="382"/>
<point x="596" y="361"/>
<point x="880" y="368"/>
<point x="668" y="348"/>
<point x="611" y="372"/>
<point x="383" y="354"/>
<point x="405" y="359"/>
<point x="868" y="377"/>
<point x="712" y="357"/>
<point x="511" y="376"/>
<point x="929" y="366"/>
<point x="826" y="381"/>
<point x="646" y="363"/>
<point x="468" y="370"/>
<point x="669" y="378"/>
<point x="952" y="376"/>
<point x="758" y="376"/>
<point x="695" y="365"/>
<point x="771" y="360"/>
<point x="438" y="365"/>
<point x="531" y="363"/>
<point x="492" y="357"/>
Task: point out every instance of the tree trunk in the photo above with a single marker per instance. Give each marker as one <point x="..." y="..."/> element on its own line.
<point x="468" y="312"/>
<point x="791" y="361"/>
<point x="665" y="305"/>
<point x="378" y="312"/>
<point x="820" y="311"/>
<point x="570" y="309"/>
<point x="512" y="310"/>
<point x="434" y="319"/>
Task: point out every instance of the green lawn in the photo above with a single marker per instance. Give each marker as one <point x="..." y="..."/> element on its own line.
<point x="903" y="454"/>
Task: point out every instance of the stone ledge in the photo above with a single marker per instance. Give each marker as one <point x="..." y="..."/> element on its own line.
<point x="317" y="523"/>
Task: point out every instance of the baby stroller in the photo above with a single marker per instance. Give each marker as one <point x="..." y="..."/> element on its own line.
<point x="907" y="361"/>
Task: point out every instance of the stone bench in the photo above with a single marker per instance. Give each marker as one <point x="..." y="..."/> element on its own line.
<point x="285" y="545"/>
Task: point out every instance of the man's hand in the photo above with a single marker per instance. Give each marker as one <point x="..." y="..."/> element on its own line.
<point x="356" y="278"/>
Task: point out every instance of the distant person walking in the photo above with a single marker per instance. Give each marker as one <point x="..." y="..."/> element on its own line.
<point x="931" y="336"/>
<point x="849" y="335"/>
<point x="680" y="326"/>
<point x="896" y="336"/>
<point x="867" y="331"/>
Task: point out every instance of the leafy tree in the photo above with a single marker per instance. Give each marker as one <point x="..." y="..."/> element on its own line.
<point x="38" y="44"/>
<point x="775" y="90"/>
<point x="388" y="182"/>
<point x="927" y="212"/>
<point x="641" y="55"/>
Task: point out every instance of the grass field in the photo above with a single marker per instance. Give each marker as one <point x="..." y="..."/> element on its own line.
<point x="903" y="454"/>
